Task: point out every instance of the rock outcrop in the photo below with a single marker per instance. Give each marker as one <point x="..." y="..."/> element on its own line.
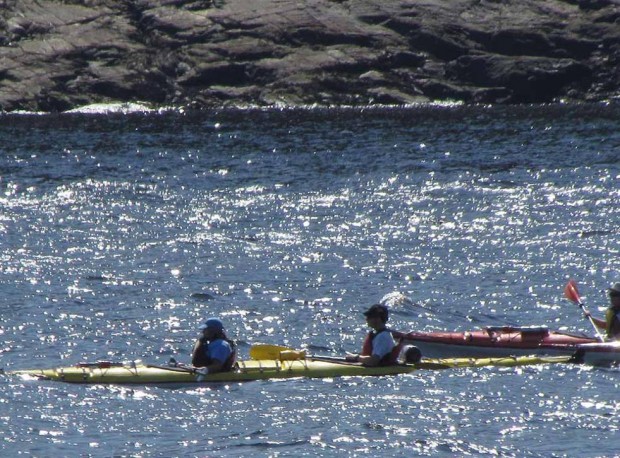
<point x="57" y="55"/>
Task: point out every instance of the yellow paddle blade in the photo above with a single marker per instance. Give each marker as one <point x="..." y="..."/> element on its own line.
<point x="267" y="351"/>
<point x="292" y="355"/>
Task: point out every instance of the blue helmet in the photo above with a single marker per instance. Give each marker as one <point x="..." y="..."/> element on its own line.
<point x="213" y="323"/>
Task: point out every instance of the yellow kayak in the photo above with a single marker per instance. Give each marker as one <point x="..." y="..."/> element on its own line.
<point x="314" y="367"/>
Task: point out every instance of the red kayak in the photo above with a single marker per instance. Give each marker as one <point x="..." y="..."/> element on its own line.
<point x="495" y="342"/>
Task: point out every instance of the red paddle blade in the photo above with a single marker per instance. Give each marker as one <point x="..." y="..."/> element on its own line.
<point x="571" y="292"/>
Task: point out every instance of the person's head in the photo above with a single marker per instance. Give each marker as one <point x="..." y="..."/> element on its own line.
<point x="376" y="316"/>
<point x="212" y="328"/>
<point x="614" y="295"/>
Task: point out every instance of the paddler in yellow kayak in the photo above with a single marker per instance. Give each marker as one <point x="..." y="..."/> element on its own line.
<point x="379" y="348"/>
<point x="611" y="323"/>
<point x="213" y="352"/>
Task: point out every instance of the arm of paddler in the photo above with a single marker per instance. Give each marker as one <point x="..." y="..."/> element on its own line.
<point x="197" y="353"/>
<point x="212" y="368"/>
<point x="601" y="324"/>
<point x="371" y="360"/>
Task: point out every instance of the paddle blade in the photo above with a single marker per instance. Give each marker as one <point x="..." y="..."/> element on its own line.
<point x="267" y="351"/>
<point x="571" y="292"/>
<point x="292" y="355"/>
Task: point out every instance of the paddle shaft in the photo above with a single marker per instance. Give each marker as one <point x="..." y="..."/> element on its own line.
<point x="587" y="314"/>
<point x="292" y="355"/>
<point x="277" y="352"/>
<point x="191" y="370"/>
<point x="571" y="292"/>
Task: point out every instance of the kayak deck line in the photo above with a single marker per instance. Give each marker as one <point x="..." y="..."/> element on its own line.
<point x="245" y="367"/>
<point x="505" y="361"/>
<point x="267" y="365"/>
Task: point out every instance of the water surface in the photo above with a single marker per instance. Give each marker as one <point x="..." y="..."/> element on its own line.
<point x="119" y="234"/>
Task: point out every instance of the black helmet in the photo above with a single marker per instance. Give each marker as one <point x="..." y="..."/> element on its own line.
<point x="379" y="310"/>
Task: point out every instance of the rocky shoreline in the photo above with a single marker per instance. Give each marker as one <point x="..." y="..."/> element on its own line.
<point x="57" y="55"/>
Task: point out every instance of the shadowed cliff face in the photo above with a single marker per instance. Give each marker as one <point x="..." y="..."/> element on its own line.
<point x="56" y="55"/>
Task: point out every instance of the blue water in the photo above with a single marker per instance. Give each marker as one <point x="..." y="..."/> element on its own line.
<point x="119" y="234"/>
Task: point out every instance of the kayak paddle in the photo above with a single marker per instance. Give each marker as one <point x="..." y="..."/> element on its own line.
<point x="267" y="351"/>
<point x="281" y="353"/>
<point x="572" y="293"/>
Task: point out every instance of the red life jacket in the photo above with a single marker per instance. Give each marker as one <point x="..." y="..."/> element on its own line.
<point x="390" y="358"/>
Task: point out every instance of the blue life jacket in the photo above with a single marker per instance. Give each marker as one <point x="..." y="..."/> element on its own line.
<point x="205" y="358"/>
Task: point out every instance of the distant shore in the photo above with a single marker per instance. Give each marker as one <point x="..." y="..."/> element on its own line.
<point x="57" y="56"/>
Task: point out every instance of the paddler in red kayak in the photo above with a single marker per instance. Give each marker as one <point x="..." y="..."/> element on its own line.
<point x="379" y="348"/>
<point x="213" y="352"/>
<point x="611" y="323"/>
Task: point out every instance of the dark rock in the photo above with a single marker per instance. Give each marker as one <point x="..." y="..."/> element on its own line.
<point x="595" y="4"/>
<point x="203" y="297"/>
<point x="59" y="54"/>
<point x="527" y="79"/>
